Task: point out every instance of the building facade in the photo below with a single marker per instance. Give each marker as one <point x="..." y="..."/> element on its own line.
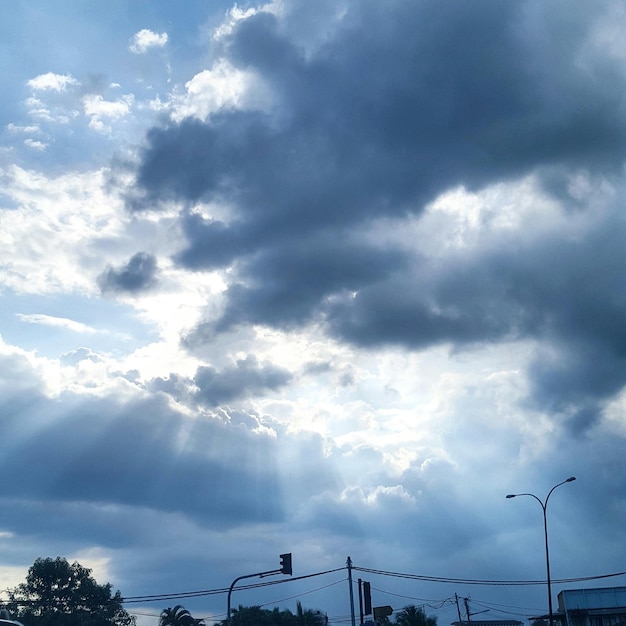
<point x="605" y="606"/>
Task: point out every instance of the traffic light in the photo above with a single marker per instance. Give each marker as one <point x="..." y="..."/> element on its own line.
<point x="367" y="598"/>
<point x="285" y="563"/>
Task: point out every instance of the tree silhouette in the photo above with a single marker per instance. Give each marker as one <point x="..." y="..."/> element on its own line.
<point x="57" y="593"/>
<point x="256" y="616"/>
<point x="178" y="616"/>
<point x="309" y="617"/>
<point x="412" y="615"/>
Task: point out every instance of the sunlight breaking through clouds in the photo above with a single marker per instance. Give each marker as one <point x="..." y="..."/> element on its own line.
<point x="324" y="277"/>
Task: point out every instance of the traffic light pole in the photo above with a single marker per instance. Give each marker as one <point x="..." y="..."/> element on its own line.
<point x="285" y="561"/>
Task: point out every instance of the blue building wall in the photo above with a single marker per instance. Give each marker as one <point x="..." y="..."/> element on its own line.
<point x="585" y="599"/>
<point x="605" y="606"/>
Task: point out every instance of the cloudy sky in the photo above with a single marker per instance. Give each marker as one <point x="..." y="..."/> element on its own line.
<point x="329" y="278"/>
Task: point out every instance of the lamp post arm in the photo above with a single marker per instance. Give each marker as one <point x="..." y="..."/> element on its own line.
<point x="532" y="495"/>
<point x="568" y="480"/>
<point x="232" y="585"/>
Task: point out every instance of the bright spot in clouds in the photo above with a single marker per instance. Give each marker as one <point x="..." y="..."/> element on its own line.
<point x="222" y="86"/>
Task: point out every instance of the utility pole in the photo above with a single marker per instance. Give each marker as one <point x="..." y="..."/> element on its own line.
<point x="458" y="610"/>
<point x="349" y="566"/>
<point x="466" y="601"/>
<point x="360" y="582"/>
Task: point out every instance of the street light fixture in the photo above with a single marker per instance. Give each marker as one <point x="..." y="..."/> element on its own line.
<point x="544" y="506"/>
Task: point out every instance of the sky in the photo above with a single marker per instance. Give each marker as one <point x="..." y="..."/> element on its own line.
<point x="326" y="278"/>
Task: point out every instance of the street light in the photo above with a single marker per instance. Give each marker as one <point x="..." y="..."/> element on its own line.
<point x="544" y="506"/>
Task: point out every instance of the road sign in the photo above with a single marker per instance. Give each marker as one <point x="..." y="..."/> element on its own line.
<point x="382" y="611"/>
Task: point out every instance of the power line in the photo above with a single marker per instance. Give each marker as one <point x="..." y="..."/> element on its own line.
<point x="298" y="595"/>
<point x="470" y="581"/>
<point x="305" y="593"/>
<point x="424" y="578"/>
<point x="438" y="604"/>
<point x="211" y="592"/>
<point x="525" y="611"/>
<point x="340" y="620"/>
<point x="421" y="577"/>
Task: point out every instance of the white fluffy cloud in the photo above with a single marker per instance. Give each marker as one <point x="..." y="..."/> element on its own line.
<point x="222" y="86"/>
<point x="58" y="322"/>
<point x="16" y="128"/>
<point x="52" y="81"/>
<point x="36" y="261"/>
<point x="101" y="111"/>
<point x="145" y="39"/>
<point x="35" y="145"/>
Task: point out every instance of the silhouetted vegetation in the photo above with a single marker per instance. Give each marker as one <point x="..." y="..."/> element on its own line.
<point x="178" y="616"/>
<point x="412" y="615"/>
<point x="256" y="616"/>
<point x="57" y="593"/>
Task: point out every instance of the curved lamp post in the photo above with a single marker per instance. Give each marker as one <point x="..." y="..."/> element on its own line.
<point x="544" y="506"/>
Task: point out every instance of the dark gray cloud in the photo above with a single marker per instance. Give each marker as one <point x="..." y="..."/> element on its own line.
<point x="566" y="294"/>
<point x="138" y="274"/>
<point x="130" y="474"/>
<point x="377" y="125"/>
<point x="400" y="103"/>
<point x="430" y="98"/>
<point x="282" y="287"/>
<point x="247" y="378"/>
<point x="211" y="387"/>
<point x="222" y="472"/>
<point x="176" y="386"/>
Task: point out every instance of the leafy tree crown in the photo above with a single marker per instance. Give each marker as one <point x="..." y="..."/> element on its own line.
<point x="59" y="593"/>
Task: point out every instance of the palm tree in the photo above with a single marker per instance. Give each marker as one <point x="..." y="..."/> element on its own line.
<point x="249" y="616"/>
<point x="309" y="617"/>
<point x="414" y="616"/>
<point x="178" y="616"/>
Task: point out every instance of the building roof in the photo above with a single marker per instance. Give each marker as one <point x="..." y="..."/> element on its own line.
<point x="489" y="622"/>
